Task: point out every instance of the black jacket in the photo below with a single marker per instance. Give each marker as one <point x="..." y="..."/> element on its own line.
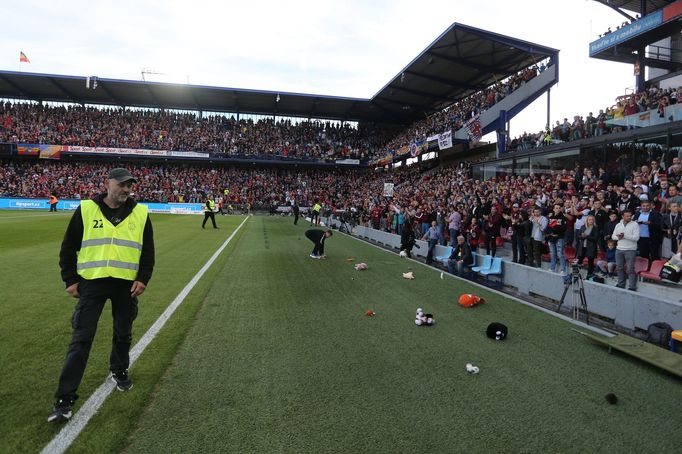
<point x="590" y="247"/>
<point x="556" y="227"/>
<point x="74" y="235"/>
<point x="463" y="253"/>
<point x="407" y="239"/>
<point x="317" y="236"/>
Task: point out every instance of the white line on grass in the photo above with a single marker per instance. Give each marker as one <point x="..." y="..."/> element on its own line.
<point x="2" y="218"/>
<point x="536" y="307"/>
<point x="73" y="428"/>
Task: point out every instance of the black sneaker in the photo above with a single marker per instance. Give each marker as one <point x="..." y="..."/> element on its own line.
<point x="61" y="410"/>
<point x="123" y="383"/>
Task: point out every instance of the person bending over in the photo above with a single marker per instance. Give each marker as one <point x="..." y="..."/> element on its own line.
<point x="318" y="237"/>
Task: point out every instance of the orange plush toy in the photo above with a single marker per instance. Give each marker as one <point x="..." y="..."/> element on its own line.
<point x="469" y="300"/>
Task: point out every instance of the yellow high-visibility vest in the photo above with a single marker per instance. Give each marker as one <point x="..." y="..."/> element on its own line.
<point x="317" y="207"/>
<point x="108" y="250"/>
<point x="210" y="207"/>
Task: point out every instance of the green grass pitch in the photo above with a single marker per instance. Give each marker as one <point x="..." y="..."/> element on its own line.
<point x="272" y="352"/>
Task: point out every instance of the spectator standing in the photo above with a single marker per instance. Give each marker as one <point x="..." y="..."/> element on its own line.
<point x="672" y="222"/>
<point x="454" y="225"/>
<point x="626" y="233"/>
<point x="432" y="236"/>
<point x="539" y="224"/>
<point x="588" y="238"/>
<point x="492" y="223"/>
<point x="650" y="231"/>
<point x="556" y="228"/>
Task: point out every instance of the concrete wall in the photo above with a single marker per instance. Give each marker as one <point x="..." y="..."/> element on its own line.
<point x="628" y="309"/>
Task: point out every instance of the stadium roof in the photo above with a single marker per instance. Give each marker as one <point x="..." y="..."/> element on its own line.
<point x="461" y="61"/>
<point x="636" y="5"/>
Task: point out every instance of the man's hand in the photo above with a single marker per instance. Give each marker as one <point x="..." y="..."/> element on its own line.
<point x="72" y="290"/>
<point x="137" y="289"/>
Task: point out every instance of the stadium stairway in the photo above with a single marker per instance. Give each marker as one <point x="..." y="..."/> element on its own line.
<point x="496" y="117"/>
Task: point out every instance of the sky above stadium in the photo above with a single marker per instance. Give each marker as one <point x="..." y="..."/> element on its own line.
<point x="345" y="48"/>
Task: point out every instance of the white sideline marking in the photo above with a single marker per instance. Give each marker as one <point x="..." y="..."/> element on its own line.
<point x="73" y="428"/>
<point x="526" y="303"/>
<point x="2" y="218"/>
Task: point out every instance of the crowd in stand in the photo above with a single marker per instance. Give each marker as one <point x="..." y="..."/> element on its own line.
<point x="570" y="213"/>
<point x="458" y="114"/>
<point x="618" y="27"/>
<point x="653" y="99"/>
<point x="163" y="130"/>
<point x="224" y="135"/>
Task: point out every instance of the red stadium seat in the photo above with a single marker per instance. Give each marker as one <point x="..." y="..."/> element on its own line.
<point x="655" y="271"/>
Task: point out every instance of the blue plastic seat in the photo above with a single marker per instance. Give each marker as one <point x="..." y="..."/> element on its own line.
<point x="495" y="269"/>
<point x="487" y="261"/>
<point x="444" y="258"/>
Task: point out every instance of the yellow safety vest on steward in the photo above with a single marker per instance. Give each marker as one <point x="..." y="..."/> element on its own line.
<point x="108" y="250"/>
<point x="317" y="207"/>
<point x="210" y="207"/>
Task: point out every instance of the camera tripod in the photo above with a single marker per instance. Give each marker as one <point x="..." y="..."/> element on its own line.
<point x="575" y="282"/>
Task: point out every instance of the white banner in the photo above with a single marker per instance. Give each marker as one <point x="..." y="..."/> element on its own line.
<point x="108" y="150"/>
<point x="445" y="140"/>
<point x="348" y="161"/>
<point x="188" y="154"/>
<point x="388" y="189"/>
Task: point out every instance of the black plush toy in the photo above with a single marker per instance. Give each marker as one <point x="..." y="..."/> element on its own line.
<point x="496" y="331"/>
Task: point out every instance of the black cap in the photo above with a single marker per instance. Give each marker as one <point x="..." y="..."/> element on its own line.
<point x="121" y="175"/>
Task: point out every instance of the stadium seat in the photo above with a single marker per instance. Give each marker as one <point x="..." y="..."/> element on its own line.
<point x="444" y="258"/>
<point x="654" y="273"/>
<point x="641" y="264"/>
<point x="570" y="253"/>
<point x="487" y="261"/>
<point x="494" y="270"/>
<point x="468" y="270"/>
<point x="499" y="241"/>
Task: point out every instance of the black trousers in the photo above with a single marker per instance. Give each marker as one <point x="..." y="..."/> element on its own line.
<point x="53" y="207"/>
<point x="315" y="218"/>
<point x="93" y="296"/>
<point x="490" y="245"/>
<point x="209" y="214"/>
<point x="518" y="250"/>
<point x="644" y="246"/>
<point x="295" y="218"/>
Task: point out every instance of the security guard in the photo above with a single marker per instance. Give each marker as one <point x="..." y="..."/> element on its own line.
<point x="53" y="202"/>
<point x="209" y="212"/>
<point x="315" y="214"/>
<point x="107" y="253"/>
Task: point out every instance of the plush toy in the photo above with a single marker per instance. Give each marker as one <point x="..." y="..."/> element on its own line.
<point x="408" y="275"/>
<point x="422" y="319"/>
<point x="496" y="331"/>
<point x="370" y="313"/>
<point x="360" y="266"/>
<point x="472" y="369"/>
<point x="469" y="300"/>
<point x="403" y="253"/>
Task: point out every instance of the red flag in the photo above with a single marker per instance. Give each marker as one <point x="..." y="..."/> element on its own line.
<point x="23" y="58"/>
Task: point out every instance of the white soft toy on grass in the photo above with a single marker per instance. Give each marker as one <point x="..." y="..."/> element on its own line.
<point x="422" y="319"/>
<point x="403" y="253"/>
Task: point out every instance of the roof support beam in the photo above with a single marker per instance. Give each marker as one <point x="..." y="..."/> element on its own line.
<point x="616" y="9"/>
<point x="21" y="91"/>
<point x="103" y="86"/>
<point x="462" y="62"/>
<point x="64" y="90"/>
<point x="438" y="79"/>
<point x="419" y="93"/>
